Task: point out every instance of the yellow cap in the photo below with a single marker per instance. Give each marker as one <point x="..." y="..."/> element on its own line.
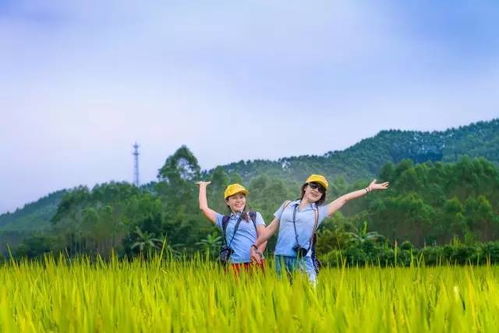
<point x="234" y="189"/>
<point x="318" y="179"/>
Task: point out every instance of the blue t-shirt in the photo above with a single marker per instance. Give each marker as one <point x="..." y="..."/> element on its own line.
<point x="245" y="236"/>
<point x="305" y="220"/>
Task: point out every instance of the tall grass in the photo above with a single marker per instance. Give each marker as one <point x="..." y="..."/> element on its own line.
<point x="197" y="296"/>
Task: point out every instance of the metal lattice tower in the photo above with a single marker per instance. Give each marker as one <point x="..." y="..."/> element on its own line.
<point x="136" y="164"/>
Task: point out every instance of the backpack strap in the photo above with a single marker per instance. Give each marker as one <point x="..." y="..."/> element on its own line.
<point x="313" y="238"/>
<point x="225" y="222"/>
<point x="313" y="243"/>
<point x="285" y="205"/>
<point x="314" y="230"/>
<point x="252" y="216"/>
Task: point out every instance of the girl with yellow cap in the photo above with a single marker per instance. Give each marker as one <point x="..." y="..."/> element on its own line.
<point x="240" y="228"/>
<point x="298" y="221"/>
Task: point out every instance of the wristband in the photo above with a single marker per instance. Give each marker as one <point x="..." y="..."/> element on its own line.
<point x="256" y="247"/>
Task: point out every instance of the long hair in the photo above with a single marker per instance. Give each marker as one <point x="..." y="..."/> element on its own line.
<point x="318" y="202"/>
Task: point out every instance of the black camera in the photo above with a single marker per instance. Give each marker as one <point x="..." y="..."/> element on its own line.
<point x="224" y="255"/>
<point x="300" y="251"/>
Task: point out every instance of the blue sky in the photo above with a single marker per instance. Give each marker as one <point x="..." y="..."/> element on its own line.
<point x="81" y="81"/>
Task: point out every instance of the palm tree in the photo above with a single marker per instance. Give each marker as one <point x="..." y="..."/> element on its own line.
<point x="211" y="243"/>
<point x="146" y="241"/>
<point x="360" y="236"/>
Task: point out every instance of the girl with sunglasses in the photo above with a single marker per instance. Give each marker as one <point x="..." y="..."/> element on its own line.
<point x="240" y="228"/>
<point x="298" y="221"/>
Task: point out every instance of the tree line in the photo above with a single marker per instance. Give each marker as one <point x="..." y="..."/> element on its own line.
<point x="428" y="204"/>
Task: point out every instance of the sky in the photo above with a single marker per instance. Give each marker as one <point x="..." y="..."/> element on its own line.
<point x="81" y="81"/>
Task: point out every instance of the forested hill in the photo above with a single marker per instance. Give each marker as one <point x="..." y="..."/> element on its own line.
<point x="428" y="203"/>
<point x="366" y="158"/>
<point x="33" y="216"/>
<point x="361" y="161"/>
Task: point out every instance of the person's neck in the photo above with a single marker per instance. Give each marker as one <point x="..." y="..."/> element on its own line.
<point x="304" y="203"/>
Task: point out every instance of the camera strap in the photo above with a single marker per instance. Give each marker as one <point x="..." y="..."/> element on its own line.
<point x="225" y="222"/>
<point x="294" y="224"/>
<point x="316" y="220"/>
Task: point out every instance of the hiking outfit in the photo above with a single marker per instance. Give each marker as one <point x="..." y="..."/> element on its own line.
<point x="240" y="241"/>
<point x="296" y="229"/>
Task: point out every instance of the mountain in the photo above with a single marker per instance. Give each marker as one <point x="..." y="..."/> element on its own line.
<point x="366" y="158"/>
<point x="33" y="216"/>
<point x="361" y="161"/>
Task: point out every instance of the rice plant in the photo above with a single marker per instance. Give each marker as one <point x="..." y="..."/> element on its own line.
<point x="198" y="296"/>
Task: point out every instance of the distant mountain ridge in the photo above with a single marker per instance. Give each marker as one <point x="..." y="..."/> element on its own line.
<point x="360" y="161"/>
<point x="33" y="216"/>
<point x="366" y="158"/>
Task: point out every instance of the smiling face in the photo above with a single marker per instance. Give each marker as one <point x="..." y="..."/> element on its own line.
<point x="236" y="202"/>
<point x="313" y="192"/>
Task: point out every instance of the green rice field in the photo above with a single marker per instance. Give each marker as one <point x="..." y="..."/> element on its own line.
<point x="197" y="296"/>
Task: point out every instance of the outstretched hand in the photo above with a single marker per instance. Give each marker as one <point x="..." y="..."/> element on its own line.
<point x="376" y="186"/>
<point x="203" y="183"/>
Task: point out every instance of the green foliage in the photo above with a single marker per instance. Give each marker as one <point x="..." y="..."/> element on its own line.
<point x="370" y="253"/>
<point x="211" y="244"/>
<point x="36" y="246"/>
<point x="367" y="158"/>
<point x="434" y="202"/>
<point x="145" y="242"/>
<point x="182" y="166"/>
<point x="33" y="216"/>
<point x="96" y="221"/>
<point x="361" y="236"/>
<point x="428" y="203"/>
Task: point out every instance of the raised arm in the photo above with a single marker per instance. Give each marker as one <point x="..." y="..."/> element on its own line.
<point x="203" y="202"/>
<point x="338" y="203"/>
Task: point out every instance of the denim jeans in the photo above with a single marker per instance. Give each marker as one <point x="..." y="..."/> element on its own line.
<point x="292" y="264"/>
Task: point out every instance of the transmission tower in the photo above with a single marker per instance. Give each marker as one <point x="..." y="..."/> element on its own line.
<point x="136" y="164"/>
